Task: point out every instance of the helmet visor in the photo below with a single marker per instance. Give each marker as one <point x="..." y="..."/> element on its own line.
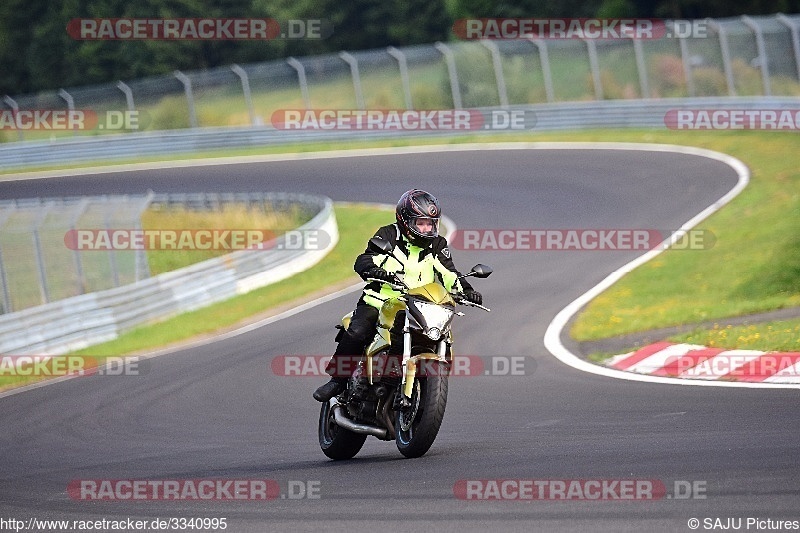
<point x="425" y="226"/>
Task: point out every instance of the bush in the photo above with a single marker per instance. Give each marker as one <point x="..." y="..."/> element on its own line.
<point x="171" y="113"/>
<point x="746" y="78"/>
<point x="667" y="77"/>
<point x="430" y="98"/>
<point x="709" y="81"/>
<point x="524" y="84"/>
<point x="784" y="86"/>
<point x="612" y="89"/>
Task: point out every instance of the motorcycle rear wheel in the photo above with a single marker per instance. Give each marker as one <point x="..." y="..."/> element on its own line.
<point x="337" y="442"/>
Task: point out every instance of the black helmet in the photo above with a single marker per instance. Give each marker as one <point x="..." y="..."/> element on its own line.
<point x="418" y="215"/>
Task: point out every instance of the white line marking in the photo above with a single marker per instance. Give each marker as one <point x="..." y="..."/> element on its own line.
<point x="552" y="338"/>
<point x="448" y="222"/>
<point x="790" y="374"/>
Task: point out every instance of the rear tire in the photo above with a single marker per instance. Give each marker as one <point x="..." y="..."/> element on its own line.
<point x="337" y="442"/>
<point x="416" y="427"/>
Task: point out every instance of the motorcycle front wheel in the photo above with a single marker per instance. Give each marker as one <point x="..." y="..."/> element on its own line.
<point x="337" y="442"/>
<point x="416" y="426"/>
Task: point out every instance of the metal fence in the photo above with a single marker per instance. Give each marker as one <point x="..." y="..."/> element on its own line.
<point x="80" y="321"/>
<point x="744" y="56"/>
<point x="37" y="265"/>
<point x="605" y="114"/>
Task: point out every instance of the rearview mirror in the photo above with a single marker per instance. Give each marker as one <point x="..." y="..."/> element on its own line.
<point x="481" y="271"/>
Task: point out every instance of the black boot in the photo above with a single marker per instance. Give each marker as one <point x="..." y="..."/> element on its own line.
<point x="334" y="387"/>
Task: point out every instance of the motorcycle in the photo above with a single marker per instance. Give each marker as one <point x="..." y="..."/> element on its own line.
<point x="397" y="390"/>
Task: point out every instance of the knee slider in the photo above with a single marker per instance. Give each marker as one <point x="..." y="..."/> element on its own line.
<point x="359" y="331"/>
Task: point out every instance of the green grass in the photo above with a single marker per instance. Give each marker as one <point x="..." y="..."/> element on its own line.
<point x="754" y="265"/>
<point x="233" y="217"/>
<point x="276" y="149"/>
<point x="601" y="357"/>
<point x="781" y="335"/>
<point x="62" y="279"/>
<point x="357" y="223"/>
<point x="776" y="336"/>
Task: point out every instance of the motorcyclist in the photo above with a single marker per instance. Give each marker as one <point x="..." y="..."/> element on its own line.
<point x="419" y="252"/>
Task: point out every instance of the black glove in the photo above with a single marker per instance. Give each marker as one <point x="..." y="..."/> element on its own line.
<point x="381" y="274"/>
<point x="473" y="296"/>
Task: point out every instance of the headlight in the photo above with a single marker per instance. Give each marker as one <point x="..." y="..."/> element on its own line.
<point x="436" y="318"/>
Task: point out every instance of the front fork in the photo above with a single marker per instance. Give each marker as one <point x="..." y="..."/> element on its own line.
<point x="410" y="363"/>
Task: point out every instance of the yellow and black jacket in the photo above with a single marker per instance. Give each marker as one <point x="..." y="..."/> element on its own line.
<point x="419" y="265"/>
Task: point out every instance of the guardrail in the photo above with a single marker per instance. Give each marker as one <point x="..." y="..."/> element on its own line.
<point x="37" y="266"/>
<point x="80" y="321"/>
<point x="541" y="117"/>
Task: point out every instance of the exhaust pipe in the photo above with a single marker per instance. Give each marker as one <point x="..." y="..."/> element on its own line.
<point x="364" y="429"/>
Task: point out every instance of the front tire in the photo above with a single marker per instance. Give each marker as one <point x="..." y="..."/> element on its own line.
<point x="416" y="427"/>
<point x="337" y="442"/>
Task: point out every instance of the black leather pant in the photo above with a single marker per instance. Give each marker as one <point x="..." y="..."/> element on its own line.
<point x="355" y="337"/>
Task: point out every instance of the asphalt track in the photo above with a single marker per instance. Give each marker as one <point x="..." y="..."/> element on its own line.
<point x="218" y="411"/>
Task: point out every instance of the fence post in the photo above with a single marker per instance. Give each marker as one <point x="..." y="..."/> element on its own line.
<point x="126" y="90"/>
<point x="187" y="88"/>
<point x="638" y="52"/>
<point x="786" y="21"/>
<point x="10" y="102"/>
<point x="726" y="54"/>
<point x="3" y="277"/>
<point x="76" y="253"/>
<point x="544" y="59"/>
<point x="353" y="62"/>
<point x="112" y="253"/>
<point x="763" y="60"/>
<point x="497" y="63"/>
<point x="37" y="250"/>
<point x="70" y="104"/>
<point x="594" y="65"/>
<point x="141" y="268"/>
<point x="248" y="99"/>
<point x="687" y="66"/>
<point x="4" y="281"/>
<point x="301" y="78"/>
<point x="450" y="59"/>
<point x="403" y="66"/>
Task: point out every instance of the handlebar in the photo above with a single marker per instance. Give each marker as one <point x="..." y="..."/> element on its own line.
<point x="457" y="296"/>
<point x="397" y="286"/>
